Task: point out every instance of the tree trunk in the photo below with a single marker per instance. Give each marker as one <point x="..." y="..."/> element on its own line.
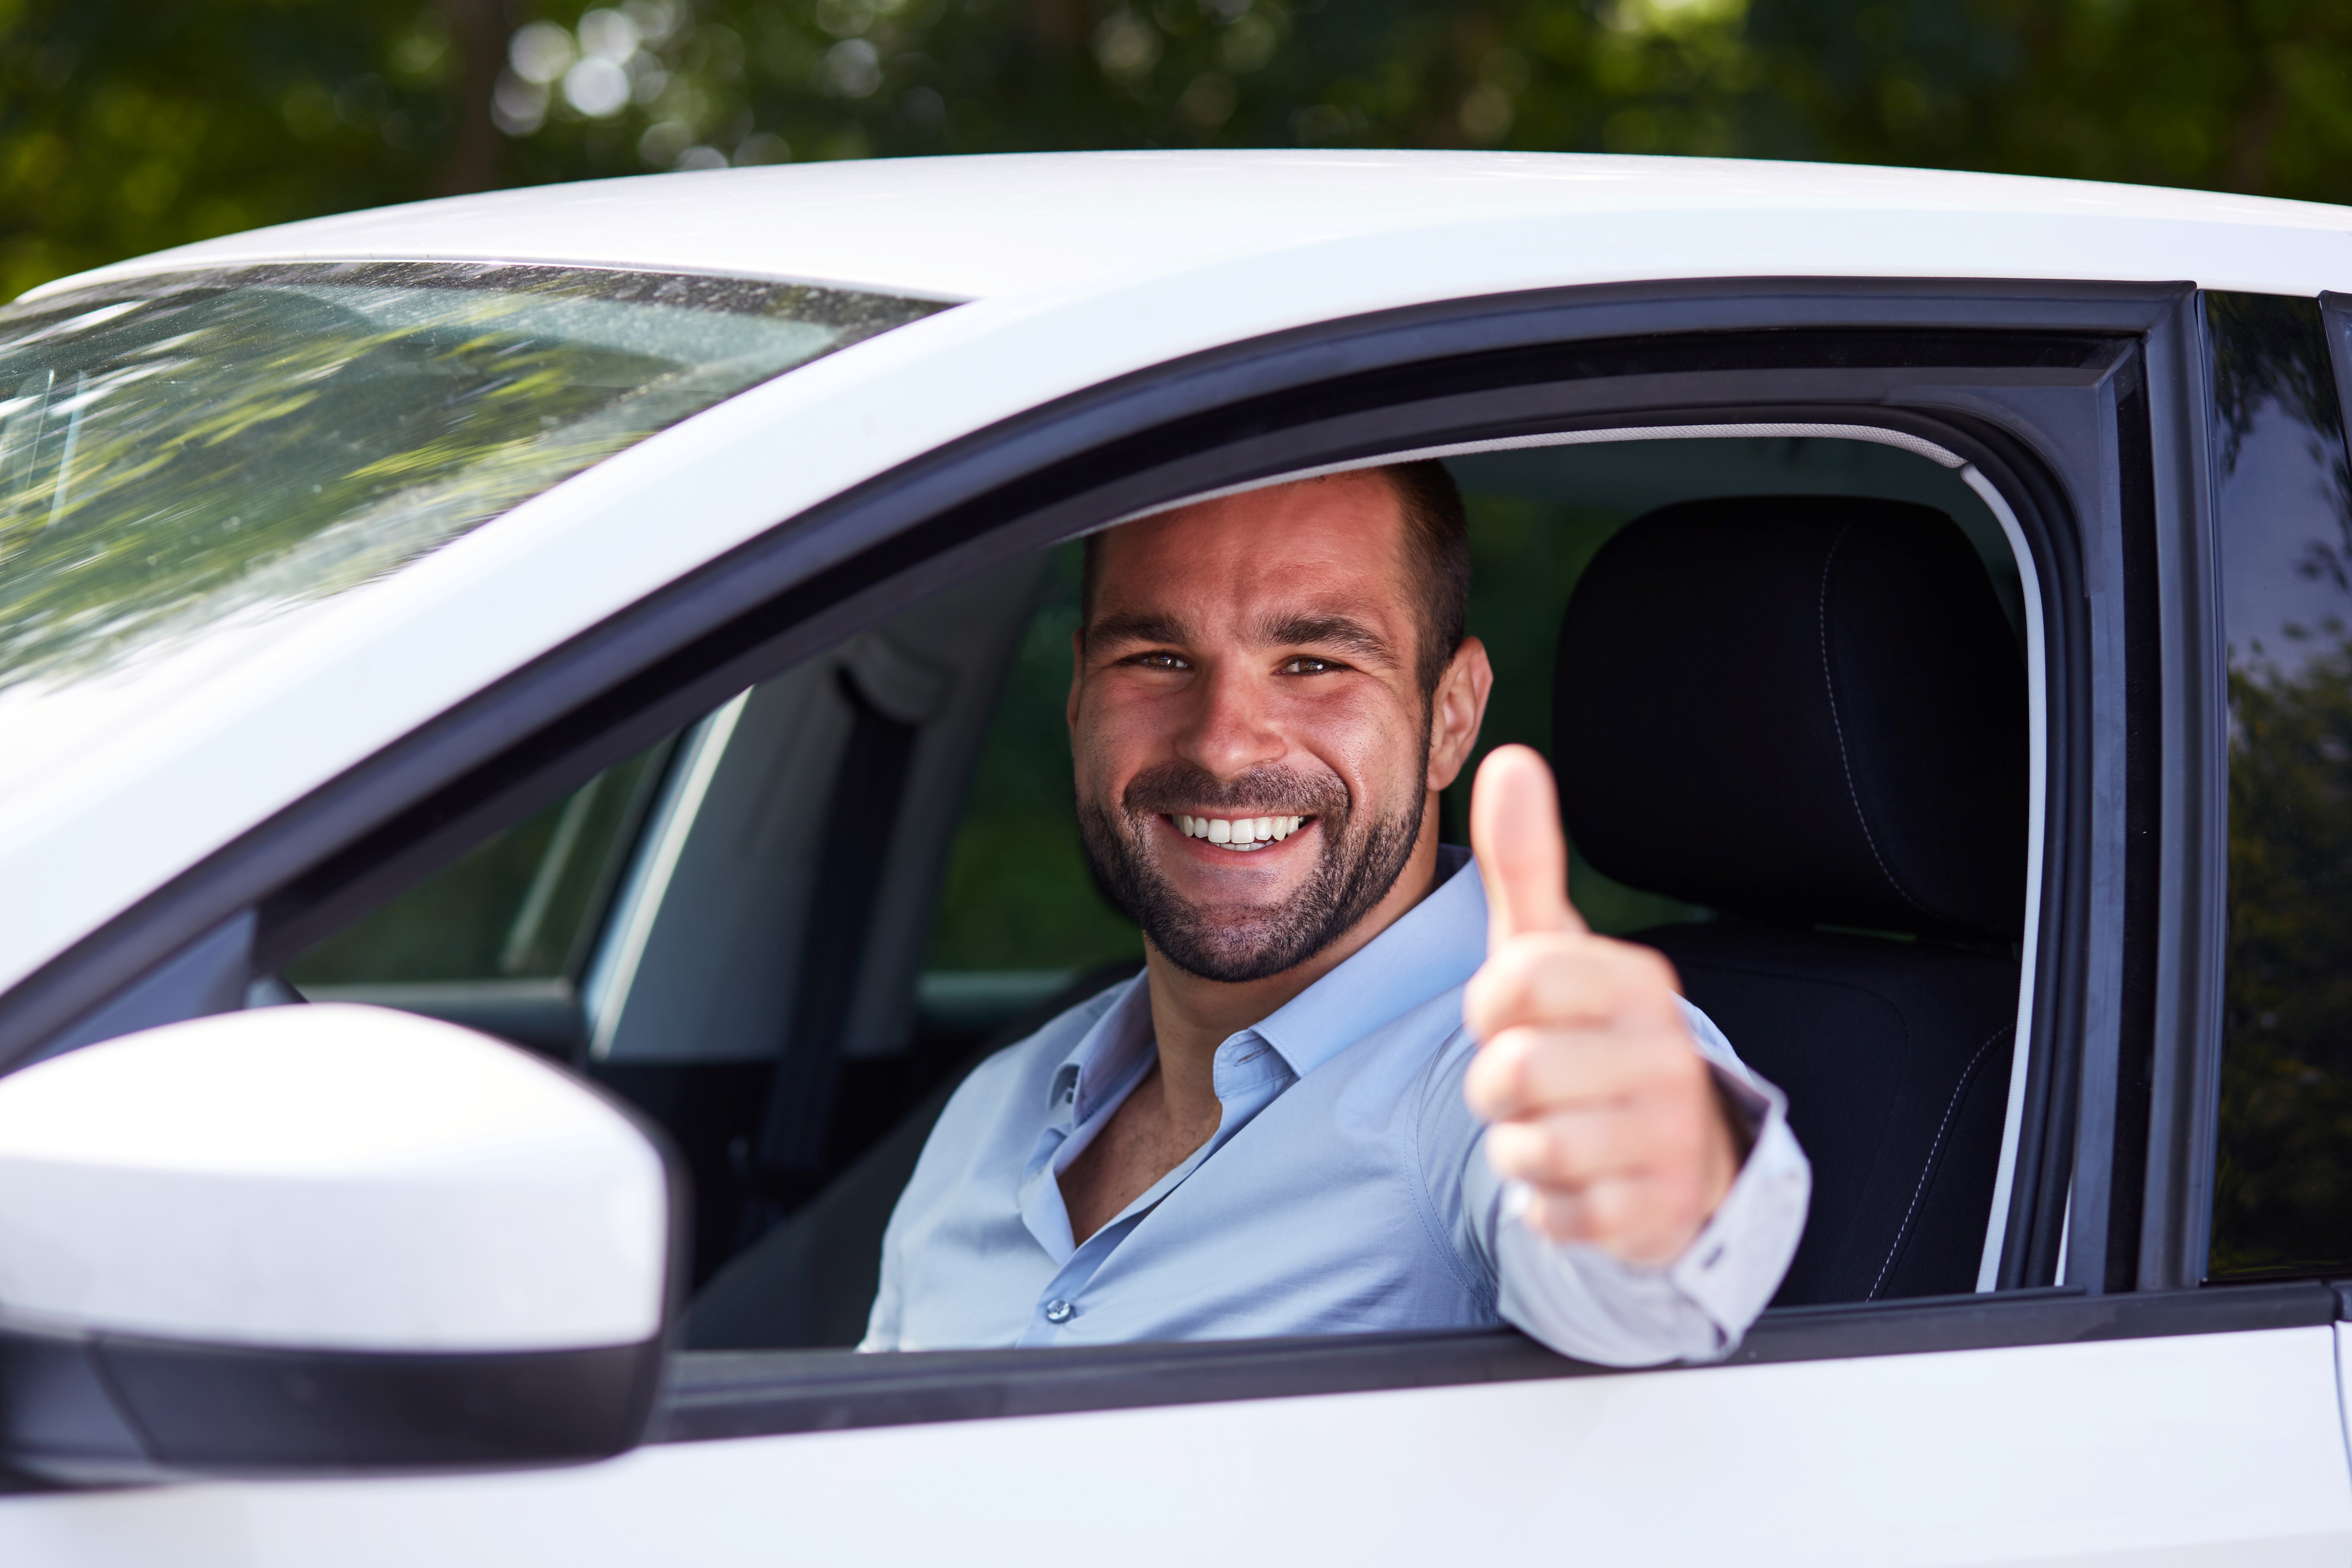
<point x="479" y="30"/>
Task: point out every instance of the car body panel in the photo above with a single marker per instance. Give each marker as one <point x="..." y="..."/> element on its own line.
<point x="2218" y="1449"/>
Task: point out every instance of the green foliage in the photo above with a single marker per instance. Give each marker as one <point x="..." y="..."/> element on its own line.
<point x="2243" y="95"/>
<point x="126" y="126"/>
<point x="1017" y="894"/>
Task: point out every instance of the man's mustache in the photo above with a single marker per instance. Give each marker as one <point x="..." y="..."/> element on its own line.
<point x="1178" y="785"/>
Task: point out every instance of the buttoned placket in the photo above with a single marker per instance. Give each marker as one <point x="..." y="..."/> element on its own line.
<point x="1248" y="1073"/>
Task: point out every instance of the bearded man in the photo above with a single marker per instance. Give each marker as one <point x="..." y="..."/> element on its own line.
<point x="1363" y="1083"/>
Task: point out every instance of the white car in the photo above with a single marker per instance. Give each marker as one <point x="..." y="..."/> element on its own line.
<point x="613" y="636"/>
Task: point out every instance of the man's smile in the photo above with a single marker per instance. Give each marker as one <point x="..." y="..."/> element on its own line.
<point x="1242" y="833"/>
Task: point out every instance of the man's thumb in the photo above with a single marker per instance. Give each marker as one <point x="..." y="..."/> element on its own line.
<point x="1522" y="853"/>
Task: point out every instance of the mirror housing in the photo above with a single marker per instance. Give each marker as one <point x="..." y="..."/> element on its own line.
<point x="324" y="1239"/>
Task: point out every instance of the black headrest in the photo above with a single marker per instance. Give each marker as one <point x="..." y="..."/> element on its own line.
<point x="1798" y="709"/>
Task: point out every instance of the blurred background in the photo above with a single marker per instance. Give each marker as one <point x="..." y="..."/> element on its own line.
<point x="128" y="125"/>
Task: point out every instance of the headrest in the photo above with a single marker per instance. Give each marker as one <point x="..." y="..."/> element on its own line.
<point x="1798" y="709"/>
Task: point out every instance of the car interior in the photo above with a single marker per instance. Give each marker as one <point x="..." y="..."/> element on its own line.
<point x="1782" y="682"/>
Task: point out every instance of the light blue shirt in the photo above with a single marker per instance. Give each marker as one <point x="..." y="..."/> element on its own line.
<point x="1346" y="1189"/>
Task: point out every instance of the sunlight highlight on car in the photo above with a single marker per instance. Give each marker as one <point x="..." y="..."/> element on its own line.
<point x="178" y="451"/>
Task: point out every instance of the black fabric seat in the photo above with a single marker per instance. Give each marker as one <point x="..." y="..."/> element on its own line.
<point x="1808" y="713"/>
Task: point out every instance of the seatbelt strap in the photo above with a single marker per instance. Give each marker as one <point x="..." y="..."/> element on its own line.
<point x="869" y="785"/>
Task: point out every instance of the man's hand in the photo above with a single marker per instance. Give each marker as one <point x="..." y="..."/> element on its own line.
<point x="1600" y="1100"/>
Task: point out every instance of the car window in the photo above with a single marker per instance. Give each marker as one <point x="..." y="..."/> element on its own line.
<point x="525" y="904"/>
<point x="678" y="904"/>
<point x="178" y="452"/>
<point x="2283" y="1184"/>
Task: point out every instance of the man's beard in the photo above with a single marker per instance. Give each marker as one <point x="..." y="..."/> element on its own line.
<point x="1355" y="869"/>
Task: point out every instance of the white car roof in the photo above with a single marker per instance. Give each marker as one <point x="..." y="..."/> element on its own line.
<point x="990" y="227"/>
<point x="1081" y="269"/>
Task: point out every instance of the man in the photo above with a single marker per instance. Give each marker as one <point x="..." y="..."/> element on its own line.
<point x="1287" y="1123"/>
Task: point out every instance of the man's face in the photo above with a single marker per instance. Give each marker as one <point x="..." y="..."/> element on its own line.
<point x="1250" y="664"/>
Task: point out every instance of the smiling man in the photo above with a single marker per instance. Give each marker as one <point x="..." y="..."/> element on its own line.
<point x="1288" y="1123"/>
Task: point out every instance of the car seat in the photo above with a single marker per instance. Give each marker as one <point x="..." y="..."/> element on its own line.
<point x="1809" y="714"/>
<point x="811" y="1281"/>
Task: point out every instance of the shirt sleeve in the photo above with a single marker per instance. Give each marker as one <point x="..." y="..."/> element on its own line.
<point x="882" y="1320"/>
<point x="1586" y="1303"/>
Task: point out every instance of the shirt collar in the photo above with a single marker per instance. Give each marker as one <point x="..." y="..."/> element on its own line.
<point x="1105" y="1056"/>
<point x="1434" y="946"/>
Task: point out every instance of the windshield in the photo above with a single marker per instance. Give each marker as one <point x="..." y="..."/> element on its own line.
<point x="177" y="451"/>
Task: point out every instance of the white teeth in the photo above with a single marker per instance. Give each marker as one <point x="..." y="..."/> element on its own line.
<point x="1241" y="832"/>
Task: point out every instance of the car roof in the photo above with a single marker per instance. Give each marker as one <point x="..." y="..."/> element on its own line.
<point x="975" y="228"/>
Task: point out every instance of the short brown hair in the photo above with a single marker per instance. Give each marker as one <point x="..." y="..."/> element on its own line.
<point x="1437" y="549"/>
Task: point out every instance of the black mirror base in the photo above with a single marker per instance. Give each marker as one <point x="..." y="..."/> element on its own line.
<point x="100" y="1408"/>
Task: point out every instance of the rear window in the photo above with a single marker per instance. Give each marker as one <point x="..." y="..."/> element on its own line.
<point x="179" y="451"/>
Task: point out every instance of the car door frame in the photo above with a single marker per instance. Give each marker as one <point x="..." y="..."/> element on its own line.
<point x="2109" y="488"/>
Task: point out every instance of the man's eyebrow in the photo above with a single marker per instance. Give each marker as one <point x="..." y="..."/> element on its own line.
<point x="1134" y="626"/>
<point x="1331" y="631"/>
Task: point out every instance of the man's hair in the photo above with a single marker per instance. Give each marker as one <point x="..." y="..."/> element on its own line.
<point x="1436" y="562"/>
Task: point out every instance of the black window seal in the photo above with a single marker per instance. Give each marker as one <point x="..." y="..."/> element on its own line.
<point x="713" y="1396"/>
<point x="1068" y="466"/>
<point x="2192" y="831"/>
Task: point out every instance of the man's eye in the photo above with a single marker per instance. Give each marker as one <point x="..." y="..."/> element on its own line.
<point x="1161" y="660"/>
<point x="1304" y="665"/>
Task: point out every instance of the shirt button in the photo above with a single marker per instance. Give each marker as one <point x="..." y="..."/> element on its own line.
<point x="1059" y="1311"/>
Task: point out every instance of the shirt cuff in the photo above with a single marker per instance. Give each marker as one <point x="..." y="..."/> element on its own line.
<point x="1735" y="1263"/>
<point x="1588" y="1303"/>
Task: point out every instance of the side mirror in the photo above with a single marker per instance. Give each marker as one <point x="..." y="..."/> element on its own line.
<point x="319" y="1239"/>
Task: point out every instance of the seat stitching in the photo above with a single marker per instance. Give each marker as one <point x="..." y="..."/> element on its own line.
<point x="1935" y="1151"/>
<point x="1829" y="683"/>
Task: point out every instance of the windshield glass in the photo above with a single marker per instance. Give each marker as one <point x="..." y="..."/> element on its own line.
<point x="181" y="450"/>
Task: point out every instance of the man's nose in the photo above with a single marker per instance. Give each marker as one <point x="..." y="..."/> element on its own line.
<point x="1230" y="727"/>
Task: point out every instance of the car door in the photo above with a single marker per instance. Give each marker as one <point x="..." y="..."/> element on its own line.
<point x="2096" y="1400"/>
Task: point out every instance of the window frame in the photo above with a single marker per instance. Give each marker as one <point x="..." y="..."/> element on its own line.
<point x="713" y="1396"/>
<point x="2103" y="464"/>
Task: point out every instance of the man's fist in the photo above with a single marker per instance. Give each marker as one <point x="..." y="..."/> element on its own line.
<point x="1600" y="1100"/>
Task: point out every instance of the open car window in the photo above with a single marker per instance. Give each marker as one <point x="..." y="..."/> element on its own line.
<point x="787" y="932"/>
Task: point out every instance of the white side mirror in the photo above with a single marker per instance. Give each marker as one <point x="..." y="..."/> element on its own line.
<point x="325" y="1237"/>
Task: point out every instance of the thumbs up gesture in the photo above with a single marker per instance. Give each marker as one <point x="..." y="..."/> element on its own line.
<point x="1599" y="1099"/>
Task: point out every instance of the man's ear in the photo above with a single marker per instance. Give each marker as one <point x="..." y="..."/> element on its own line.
<point x="1456" y="710"/>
